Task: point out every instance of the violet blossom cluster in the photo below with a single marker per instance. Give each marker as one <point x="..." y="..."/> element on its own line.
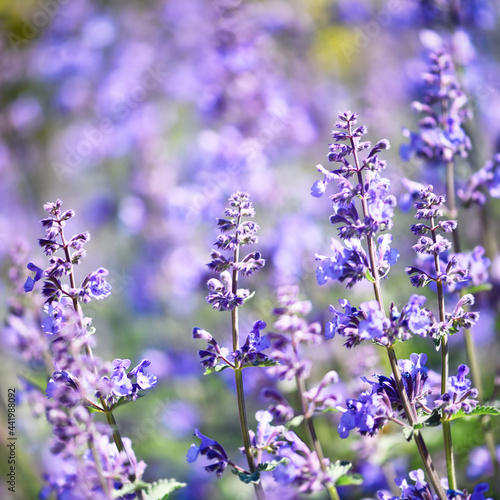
<point x="374" y="408"/>
<point x="236" y="232"/>
<point x="420" y="490"/>
<point x="433" y="244"/>
<point x="444" y="108"/>
<point x="306" y="469"/>
<point x="350" y="262"/>
<point x="486" y="181"/>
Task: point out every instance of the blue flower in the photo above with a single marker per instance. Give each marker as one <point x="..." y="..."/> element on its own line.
<point x="347" y="263"/>
<point x="121" y="384"/>
<point x="367" y="414"/>
<point x="53" y="322"/>
<point x="30" y="281"/>
<point x="375" y="323"/>
<point x="303" y="469"/>
<point x="415" y="318"/>
<point x="460" y="395"/>
<point x="144" y="380"/>
<point x="99" y="287"/>
<point x="213" y="451"/>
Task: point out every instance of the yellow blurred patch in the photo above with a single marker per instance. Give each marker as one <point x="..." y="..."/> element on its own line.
<point x="329" y="46"/>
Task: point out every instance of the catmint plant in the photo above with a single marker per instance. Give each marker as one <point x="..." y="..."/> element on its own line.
<point x="308" y="469"/>
<point x="237" y="231"/>
<point x="98" y="462"/>
<point x="441" y="141"/>
<point x="402" y="397"/>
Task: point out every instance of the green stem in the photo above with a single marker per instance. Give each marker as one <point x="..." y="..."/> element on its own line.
<point x="445" y="354"/>
<point x="238" y="375"/>
<point x="311" y="432"/>
<point x="412" y="418"/>
<point x="409" y="408"/>
<point x="117" y="438"/>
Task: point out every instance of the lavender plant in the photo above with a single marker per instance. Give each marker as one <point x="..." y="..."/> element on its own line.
<point x="402" y="397"/>
<point x="225" y="295"/>
<point x="98" y="462"/>
<point x="308" y="469"/>
<point x="441" y="141"/>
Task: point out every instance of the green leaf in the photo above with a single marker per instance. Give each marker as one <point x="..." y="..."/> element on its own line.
<point x="160" y="490"/>
<point x="369" y="277"/>
<point x="350" y="480"/>
<point x="216" y="369"/>
<point x="247" y="477"/>
<point x="295" y="422"/>
<point x="408" y="433"/>
<point x="340" y="475"/>
<point x="269" y="466"/>
<point x="126" y="489"/>
<point x="485" y="287"/>
<point x="479" y="410"/>
<point x="330" y="409"/>
<point x="431" y="420"/>
<point x="266" y="362"/>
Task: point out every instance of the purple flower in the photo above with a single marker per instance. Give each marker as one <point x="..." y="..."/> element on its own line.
<point x="441" y="135"/>
<point x="480" y="463"/>
<point x="415" y="317"/>
<point x="144" y="380"/>
<point x="386" y="256"/>
<point x="220" y="294"/>
<point x="345" y="324"/>
<point x="63" y="388"/>
<point x="53" y="322"/>
<point x="280" y="409"/>
<point x="122" y="385"/>
<point x="213" y="451"/>
<point x="367" y="414"/>
<point x="375" y="323"/>
<point x="419" y="491"/>
<point x="99" y="287"/>
<point x="266" y="437"/>
<point x="250" y="352"/>
<point x="30" y="281"/>
<point x="303" y="469"/>
<point x="413" y="374"/>
<point x="347" y="263"/>
<point x="486" y="179"/>
<point x="319" y="187"/>
<point x="460" y="395"/>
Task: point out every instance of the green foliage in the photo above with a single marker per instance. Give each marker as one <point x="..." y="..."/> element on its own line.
<point x="479" y="410"/>
<point x="215" y="369"/>
<point x="254" y="477"/>
<point x="159" y="490"/>
<point x="340" y="475"/>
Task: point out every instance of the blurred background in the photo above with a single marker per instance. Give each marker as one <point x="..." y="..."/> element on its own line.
<point x="144" y="117"/>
